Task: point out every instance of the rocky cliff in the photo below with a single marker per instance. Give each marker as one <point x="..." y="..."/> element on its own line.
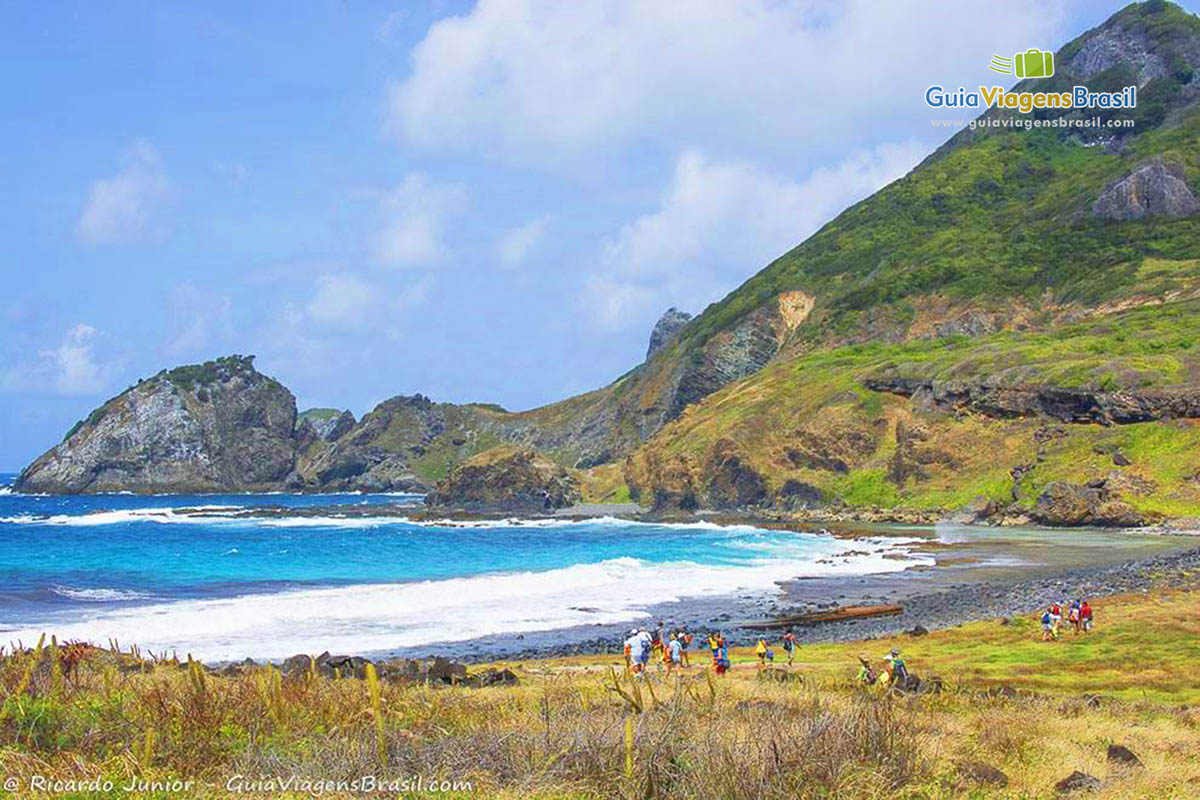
<point x="507" y="479"/>
<point x="219" y="426"/>
<point x="669" y="324"/>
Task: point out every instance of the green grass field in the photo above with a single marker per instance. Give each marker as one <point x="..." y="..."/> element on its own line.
<point x="580" y="728"/>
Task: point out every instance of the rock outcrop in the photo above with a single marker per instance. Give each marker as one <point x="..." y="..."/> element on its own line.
<point x="1007" y="401"/>
<point x="1157" y="189"/>
<point x="509" y="479"/>
<point x="1096" y="503"/>
<point x="742" y="350"/>
<point x="667" y="327"/>
<point x="218" y="426"/>
<point x="327" y="423"/>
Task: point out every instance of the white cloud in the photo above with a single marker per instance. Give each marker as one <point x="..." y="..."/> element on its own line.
<point x="341" y="300"/>
<point x="718" y="223"/>
<point x="71" y="368"/>
<point x="539" y="81"/>
<point x="347" y="301"/>
<point x="126" y="207"/>
<point x="416" y="214"/>
<point x="515" y="245"/>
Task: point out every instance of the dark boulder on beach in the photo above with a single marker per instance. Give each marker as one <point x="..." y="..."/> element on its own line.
<point x="1095" y="503"/>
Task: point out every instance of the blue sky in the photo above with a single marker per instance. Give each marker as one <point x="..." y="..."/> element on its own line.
<point x="489" y="201"/>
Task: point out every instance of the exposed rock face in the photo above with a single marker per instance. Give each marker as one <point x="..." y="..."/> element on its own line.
<point x="1096" y="503"/>
<point x="740" y="351"/>
<point x="507" y="478"/>
<point x="219" y="426"/>
<point x="915" y="453"/>
<point x="668" y="325"/>
<point x="837" y="449"/>
<point x="1156" y="189"/>
<point x="1113" y="45"/>
<point x="732" y="483"/>
<point x="331" y="427"/>
<point x="375" y="454"/>
<point x="1065" y="404"/>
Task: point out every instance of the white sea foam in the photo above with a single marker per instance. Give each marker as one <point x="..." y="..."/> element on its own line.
<point x="374" y="617"/>
<point x="214" y="514"/>
<point x="159" y="515"/>
<point x="99" y="595"/>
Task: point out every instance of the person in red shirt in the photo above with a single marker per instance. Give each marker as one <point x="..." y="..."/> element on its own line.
<point x="1085" y="616"/>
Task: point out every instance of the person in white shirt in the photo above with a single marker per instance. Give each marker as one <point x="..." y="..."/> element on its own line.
<point x="633" y="651"/>
<point x="647" y="646"/>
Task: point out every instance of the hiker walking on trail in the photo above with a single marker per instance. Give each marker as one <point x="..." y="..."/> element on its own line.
<point x="674" y="654"/>
<point x="789" y="645"/>
<point x="720" y="657"/>
<point x="633" y="650"/>
<point x="647" y="648"/>
<point x="866" y="673"/>
<point x="1049" y="625"/>
<point x="1073" y="616"/>
<point x="685" y="644"/>
<point x="761" y="651"/>
<point x="1085" y="615"/>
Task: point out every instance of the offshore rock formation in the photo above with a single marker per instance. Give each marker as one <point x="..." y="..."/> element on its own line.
<point x="507" y="479"/>
<point x="220" y="426"/>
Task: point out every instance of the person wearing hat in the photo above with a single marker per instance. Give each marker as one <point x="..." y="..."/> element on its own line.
<point x="633" y="647"/>
<point x="898" y="667"/>
<point x="647" y="647"/>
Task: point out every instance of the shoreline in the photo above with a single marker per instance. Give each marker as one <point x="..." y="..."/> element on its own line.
<point x="967" y="582"/>
<point x="948" y="599"/>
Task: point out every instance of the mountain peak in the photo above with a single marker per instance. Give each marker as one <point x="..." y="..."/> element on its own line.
<point x="669" y="324"/>
<point x="1145" y="41"/>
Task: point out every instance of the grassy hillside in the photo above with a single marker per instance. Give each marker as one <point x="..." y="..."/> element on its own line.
<point x="570" y="730"/>
<point x="812" y="420"/>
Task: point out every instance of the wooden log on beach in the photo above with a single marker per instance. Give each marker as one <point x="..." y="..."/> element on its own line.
<point x="839" y="614"/>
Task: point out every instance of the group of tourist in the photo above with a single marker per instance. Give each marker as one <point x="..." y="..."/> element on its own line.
<point x="660" y="646"/>
<point x="1079" y="617"/>
<point x="669" y="649"/>
<point x="894" y="671"/>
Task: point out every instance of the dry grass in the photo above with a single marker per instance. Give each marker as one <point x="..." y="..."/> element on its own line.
<point x="563" y="731"/>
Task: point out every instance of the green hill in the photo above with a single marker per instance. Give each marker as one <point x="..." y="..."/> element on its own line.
<point x="1011" y="265"/>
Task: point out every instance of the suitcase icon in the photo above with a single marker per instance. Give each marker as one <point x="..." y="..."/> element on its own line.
<point x="1034" y="63"/>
